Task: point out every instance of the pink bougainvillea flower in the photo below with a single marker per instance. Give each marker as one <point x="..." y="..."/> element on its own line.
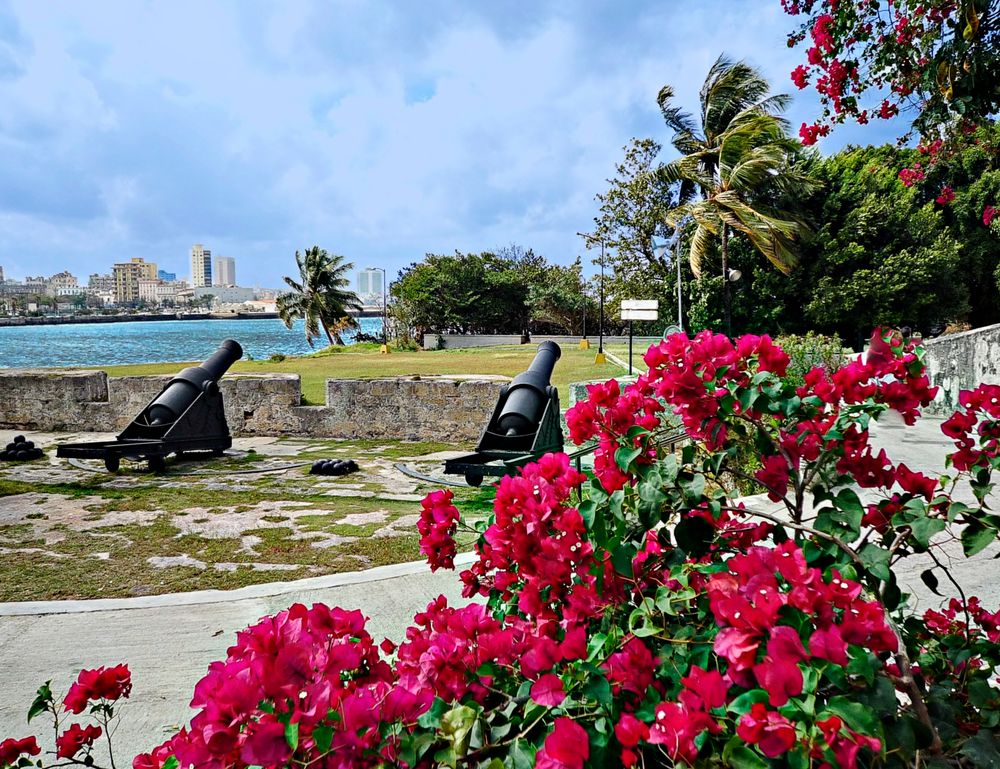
<point x="768" y="730"/>
<point x="567" y="747"/>
<point x="11" y="749"/>
<point x="548" y="690"/>
<point x="75" y="739"/>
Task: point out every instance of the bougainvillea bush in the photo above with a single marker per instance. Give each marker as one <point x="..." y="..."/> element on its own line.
<point x="639" y="617"/>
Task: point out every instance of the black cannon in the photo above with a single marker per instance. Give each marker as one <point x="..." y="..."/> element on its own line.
<point x="186" y="415"/>
<point x="525" y="423"/>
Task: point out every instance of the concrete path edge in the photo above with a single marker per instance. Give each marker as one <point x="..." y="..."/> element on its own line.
<point x="197" y="597"/>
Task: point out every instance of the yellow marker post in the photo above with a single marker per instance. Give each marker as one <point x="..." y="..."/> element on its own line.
<point x="584" y="344"/>
<point x="600" y="359"/>
<point x="383" y="350"/>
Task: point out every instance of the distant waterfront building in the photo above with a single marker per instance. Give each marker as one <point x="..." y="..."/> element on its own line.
<point x="1" y="274"/>
<point x="227" y="294"/>
<point x="101" y="284"/>
<point x="59" y="281"/>
<point x="164" y="275"/>
<point x="127" y="276"/>
<point x="370" y="281"/>
<point x="201" y="266"/>
<point x="225" y="271"/>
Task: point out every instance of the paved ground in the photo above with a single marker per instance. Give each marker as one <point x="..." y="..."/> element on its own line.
<point x="168" y="641"/>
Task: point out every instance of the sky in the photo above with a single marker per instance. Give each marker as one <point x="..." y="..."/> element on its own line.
<point x="377" y="130"/>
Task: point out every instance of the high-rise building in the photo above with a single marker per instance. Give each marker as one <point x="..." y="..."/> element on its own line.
<point x="370" y="284"/>
<point x="164" y="275"/>
<point x="127" y="276"/>
<point x="101" y="284"/>
<point x="225" y="271"/>
<point x="201" y="265"/>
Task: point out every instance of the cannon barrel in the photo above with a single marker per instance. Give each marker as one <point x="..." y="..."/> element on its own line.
<point x="526" y="395"/>
<point x="182" y="390"/>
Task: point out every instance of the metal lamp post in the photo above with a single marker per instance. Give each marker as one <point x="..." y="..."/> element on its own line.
<point x="385" y="311"/>
<point x="600" y="358"/>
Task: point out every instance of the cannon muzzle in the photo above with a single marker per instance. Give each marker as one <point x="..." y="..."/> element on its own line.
<point x="184" y="388"/>
<point x="527" y="393"/>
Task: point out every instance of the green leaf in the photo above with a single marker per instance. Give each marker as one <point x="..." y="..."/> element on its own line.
<point x="522" y="754"/>
<point x="924" y="529"/>
<point x="642" y="621"/>
<point x="741" y="757"/>
<point x="456" y="725"/>
<point x="746" y="701"/>
<point x="431" y="719"/>
<point x="323" y="735"/>
<point x="976" y="537"/>
<point x="292" y="735"/>
<point x="624" y="457"/>
<point x="621" y="559"/>
<point x="598" y="688"/>
<point x="694" y="488"/>
<point x="588" y="511"/>
<point x="859" y="717"/>
<point x="171" y="763"/>
<point x="42" y="701"/>
<point x="876" y="560"/>
<point x="982" y="751"/>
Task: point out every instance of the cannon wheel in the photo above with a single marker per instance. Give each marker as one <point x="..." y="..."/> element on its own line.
<point x="473" y="479"/>
<point x="112" y="463"/>
<point x="157" y="464"/>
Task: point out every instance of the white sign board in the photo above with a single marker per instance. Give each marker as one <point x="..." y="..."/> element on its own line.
<point x="639" y="314"/>
<point x="640" y="304"/>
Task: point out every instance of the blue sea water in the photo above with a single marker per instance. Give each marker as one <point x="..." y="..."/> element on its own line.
<point x="106" y="344"/>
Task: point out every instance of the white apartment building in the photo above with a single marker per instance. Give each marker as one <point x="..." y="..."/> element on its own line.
<point x="201" y="266"/>
<point x="224" y="272"/>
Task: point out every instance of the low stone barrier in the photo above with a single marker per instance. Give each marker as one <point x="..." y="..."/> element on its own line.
<point x="961" y="362"/>
<point x="461" y="341"/>
<point x="404" y="408"/>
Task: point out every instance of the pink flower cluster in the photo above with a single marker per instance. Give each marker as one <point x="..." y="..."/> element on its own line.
<point x="952" y="620"/>
<point x="315" y="671"/>
<point x="107" y="684"/>
<point x="910" y="176"/>
<point x="976" y="429"/>
<point x="437" y="526"/>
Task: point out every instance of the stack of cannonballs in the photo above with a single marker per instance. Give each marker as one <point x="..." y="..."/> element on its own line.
<point x="334" y="467"/>
<point x="20" y="450"/>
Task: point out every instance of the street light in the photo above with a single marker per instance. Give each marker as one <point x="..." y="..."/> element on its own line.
<point x="600" y="357"/>
<point x="385" y="311"/>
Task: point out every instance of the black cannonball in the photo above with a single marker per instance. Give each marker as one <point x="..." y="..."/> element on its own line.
<point x="4" y="454"/>
<point x="18" y="439"/>
<point x="317" y="467"/>
<point x="21" y="454"/>
<point x="28" y="444"/>
<point x="352" y="466"/>
<point x="37" y="453"/>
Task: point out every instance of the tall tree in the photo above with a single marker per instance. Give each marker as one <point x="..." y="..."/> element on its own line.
<point x="320" y="295"/>
<point x="736" y="171"/>
<point x="632" y="211"/>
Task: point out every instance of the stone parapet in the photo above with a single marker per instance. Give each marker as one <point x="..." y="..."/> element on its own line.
<point x="961" y="362"/>
<point x="404" y="408"/>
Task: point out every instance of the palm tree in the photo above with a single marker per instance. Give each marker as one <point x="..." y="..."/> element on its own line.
<point x="319" y="296"/>
<point x="736" y="169"/>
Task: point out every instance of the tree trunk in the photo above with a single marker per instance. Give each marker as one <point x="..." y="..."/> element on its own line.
<point x="328" y="336"/>
<point x="726" y="297"/>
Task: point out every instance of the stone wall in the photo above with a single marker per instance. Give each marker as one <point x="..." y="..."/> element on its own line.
<point x="460" y="341"/>
<point x="960" y="362"/>
<point x="405" y="408"/>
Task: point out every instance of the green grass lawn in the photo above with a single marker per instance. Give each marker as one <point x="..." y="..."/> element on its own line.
<point x="575" y="366"/>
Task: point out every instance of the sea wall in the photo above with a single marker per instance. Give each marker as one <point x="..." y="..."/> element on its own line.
<point x="960" y="362"/>
<point x="404" y="408"/>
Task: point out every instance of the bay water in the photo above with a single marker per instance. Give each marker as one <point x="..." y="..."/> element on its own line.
<point x="107" y="344"/>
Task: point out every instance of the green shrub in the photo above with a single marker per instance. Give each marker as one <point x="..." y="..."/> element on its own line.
<point x="807" y="352"/>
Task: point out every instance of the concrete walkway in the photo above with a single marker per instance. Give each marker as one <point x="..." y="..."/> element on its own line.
<point x="169" y="640"/>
